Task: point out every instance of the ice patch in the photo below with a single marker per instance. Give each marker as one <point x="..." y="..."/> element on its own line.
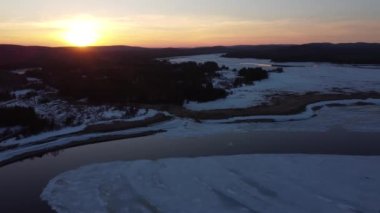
<point x="250" y="183"/>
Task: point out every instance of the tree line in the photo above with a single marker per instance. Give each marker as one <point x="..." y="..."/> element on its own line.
<point x="144" y="81"/>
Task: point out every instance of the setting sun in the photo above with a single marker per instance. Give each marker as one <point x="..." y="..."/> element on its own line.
<point x="82" y="33"/>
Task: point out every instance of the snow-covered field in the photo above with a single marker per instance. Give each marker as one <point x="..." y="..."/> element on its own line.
<point x="68" y="117"/>
<point x="297" y="78"/>
<point x="64" y="113"/>
<point x="250" y="183"/>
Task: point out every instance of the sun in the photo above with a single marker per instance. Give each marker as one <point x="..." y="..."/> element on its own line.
<point x="82" y="33"/>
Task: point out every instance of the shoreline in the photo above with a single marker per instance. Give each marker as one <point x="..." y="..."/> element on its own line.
<point x="113" y="126"/>
<point x="76" y="143"/>
<point x="296" y="104"/>
<point x="279" y="105"/>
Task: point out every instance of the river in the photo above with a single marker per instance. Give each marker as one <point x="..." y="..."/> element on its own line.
<point x="21" y="183"/>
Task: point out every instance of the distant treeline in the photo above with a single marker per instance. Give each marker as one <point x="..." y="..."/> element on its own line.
<point x="141" y="80"/>
<point x="356" y="53"/>
<point x="13" y="56"/>
<point x="249" y="75"/>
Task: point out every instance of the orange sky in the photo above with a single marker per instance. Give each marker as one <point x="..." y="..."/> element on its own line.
<point x="178" y="23"/>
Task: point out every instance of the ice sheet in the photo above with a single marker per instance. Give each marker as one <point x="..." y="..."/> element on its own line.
<point x="250" y="183"/>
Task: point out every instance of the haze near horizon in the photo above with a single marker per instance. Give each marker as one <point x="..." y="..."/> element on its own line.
<point x="179" y="23"/>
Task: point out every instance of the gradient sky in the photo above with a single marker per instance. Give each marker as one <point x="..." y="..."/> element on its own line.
<point x="160" y="23"/>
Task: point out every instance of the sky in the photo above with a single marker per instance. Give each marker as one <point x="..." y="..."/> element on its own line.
<point x="185" y="23"/>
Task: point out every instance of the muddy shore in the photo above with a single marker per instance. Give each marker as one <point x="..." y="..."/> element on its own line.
<point x="277" y="105"/>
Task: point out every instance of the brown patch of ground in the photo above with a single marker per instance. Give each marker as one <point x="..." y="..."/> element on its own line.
<point x="278" y="105"/>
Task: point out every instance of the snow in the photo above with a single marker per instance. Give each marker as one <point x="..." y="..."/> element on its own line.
<point x="34" y="80"/>
<point x="112" y="114"/>
<point x="308" y="113"/>
<point x="65" y="113"/>
<point x="297" y="78"/>
<point x="44" y="136"/>
<point x="25" y="70"/>
<point x="246" y="183"/>
<point x="21" y="93"/>
<point x="115" y="116"/>
<point x="20" y="71"/>
<point x="346" y="118"/>
<point x="143" y="114"/>
<point x="350" y="118"/>
<point x="28" y="145"/>
<point x="48" y="106"/>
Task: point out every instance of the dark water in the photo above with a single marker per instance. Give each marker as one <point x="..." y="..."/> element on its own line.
<point x="21" y="183"/>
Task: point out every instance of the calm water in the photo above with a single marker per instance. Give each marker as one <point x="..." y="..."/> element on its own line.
<point x="21" y="183"/>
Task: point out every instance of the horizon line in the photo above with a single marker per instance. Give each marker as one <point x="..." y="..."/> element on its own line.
<point x="184" y="47"/>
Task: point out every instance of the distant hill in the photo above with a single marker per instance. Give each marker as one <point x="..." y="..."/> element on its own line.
<point x="350" y="53"/>
<point x="14" y="56"/>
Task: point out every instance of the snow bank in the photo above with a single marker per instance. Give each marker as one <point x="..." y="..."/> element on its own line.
<point x="45" y="135"/>
<point x="298" y="78"/>
<point x="60" y="142"/>
<point x="250" y="183"/>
